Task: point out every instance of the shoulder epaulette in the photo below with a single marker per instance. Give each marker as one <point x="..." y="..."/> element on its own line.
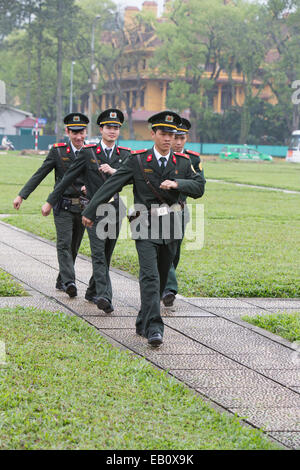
<point x="193" y="153"/>
<point x="59" y="144"/>
<point x="86" y="146"/>
<point x="124" y="148"/>
<point x="179" y="154"/>
<point x="134" y="152"/>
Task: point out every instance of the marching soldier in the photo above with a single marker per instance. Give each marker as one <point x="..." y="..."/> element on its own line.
<point x="178" y="145"/>
<point x="67" y="213"/>
<point x="159" y="177"/>
<point x="95" y="165"/>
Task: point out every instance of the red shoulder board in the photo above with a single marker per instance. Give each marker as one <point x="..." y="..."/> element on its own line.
<point x="193" y="153"/>
<point x="86" y="146"/>
<point x="124" y="148"/>
<point x="60" y="144"/>
<point x="135" y="152"/>
<point x="179" y="154"/>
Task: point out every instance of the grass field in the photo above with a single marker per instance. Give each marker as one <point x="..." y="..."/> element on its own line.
<point x="9" y="287"/>
<point x="251" y="235"/>
<point x="286" y="325"/>
<point x="65" y="387"/>
<point x="277" y="174"/>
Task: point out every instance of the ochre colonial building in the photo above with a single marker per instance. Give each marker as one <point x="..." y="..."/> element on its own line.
<point x="144" y="89"/>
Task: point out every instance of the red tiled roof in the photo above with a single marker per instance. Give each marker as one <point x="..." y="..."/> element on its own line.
<point x="27" y="122"/>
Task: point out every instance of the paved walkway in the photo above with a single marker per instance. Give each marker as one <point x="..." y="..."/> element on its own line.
<point x="238" y="367"/>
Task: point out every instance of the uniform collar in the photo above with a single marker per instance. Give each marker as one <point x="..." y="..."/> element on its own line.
<point x="74" y="148"/>
<point x="104" y="147"/>
<point x="158" y="155"/>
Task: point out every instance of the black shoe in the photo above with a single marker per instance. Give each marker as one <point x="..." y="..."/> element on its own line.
<point x="168" y="298"/>
<point x="140" y="332"/>
<point x="91" y="298"/>
<point x="155" y="340"/>
<point x="70" y="289"/>
<point x="59" y="285"/>
<point x="105" y="305"/>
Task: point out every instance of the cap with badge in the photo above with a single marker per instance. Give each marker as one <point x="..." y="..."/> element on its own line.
<point x="111" y="117"/>
<point x="167" y="121"/>
<point x="184" y="127"/>
<point x="76" y="121"/>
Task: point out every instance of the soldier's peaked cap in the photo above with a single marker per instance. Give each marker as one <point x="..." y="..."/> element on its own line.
<point x="184" y="127"/>
<point x="111" y="117"/>
<point x="165" y="120"/>
<point x="76" y="121"/>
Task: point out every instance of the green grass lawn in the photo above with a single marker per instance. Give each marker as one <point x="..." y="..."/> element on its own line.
<point x="283" y="324"/>
<point x="65" y="387"/>
<point x="9" y="287"/>
<point x="251" y="235"/>
<point x="277" y="173"/>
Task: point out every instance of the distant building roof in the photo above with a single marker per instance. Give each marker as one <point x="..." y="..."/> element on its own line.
<point x="28" y="122"/>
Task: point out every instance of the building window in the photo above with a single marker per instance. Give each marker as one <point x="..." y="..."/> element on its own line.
<point x="142" y="98"/>
<point x="226" y="99"/>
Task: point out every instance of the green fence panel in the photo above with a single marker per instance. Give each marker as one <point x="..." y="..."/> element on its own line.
<point x="22" y="142"/>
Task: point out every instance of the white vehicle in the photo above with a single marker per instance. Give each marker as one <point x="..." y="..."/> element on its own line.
<point x="293" y="153"/>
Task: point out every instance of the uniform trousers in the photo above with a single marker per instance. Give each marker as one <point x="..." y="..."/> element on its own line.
<point x="155" y="261"/>
<point x="101" y="253"/>
<point x="69" y="233"/>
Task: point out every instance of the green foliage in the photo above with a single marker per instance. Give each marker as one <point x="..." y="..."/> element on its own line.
<point x="65" y="387"/>
<point x="283" y="324"/>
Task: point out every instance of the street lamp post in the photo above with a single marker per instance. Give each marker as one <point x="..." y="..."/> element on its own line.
<point x="71" y="87"/>
<point x="92" y="84"/>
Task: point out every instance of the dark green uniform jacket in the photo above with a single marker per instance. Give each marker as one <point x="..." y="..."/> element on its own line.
<point x="86" y="166"/>
<point x="60" y="158"/>
<point x="178" y="168"/>
<point x="195" y="159"/>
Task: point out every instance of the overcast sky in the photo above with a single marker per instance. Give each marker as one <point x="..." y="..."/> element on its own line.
<point x="138" y="3"/>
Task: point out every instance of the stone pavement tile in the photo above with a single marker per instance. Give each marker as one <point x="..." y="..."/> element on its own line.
<point x="186" y="310"/>
<point x="212" y="361"/>
<point x="272" y="304"/>
<point x="238" y="312"/>
<point x="282" y="419"/>
<point x="290" y="378"/>
<point x="173" y="344"/>
<point x="261" y="396"/>
<point x="266" y="359"/>
<point x="216" y="302"/>
<point x="290" y="439"/>
<point x="111" y="322"/>
<point x="297" y="389"/>
<point x="118" y="312"/>
<point x="238" y="377"/>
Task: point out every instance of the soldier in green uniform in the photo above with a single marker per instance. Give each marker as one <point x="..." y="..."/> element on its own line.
<point x="159" y="177"/>
<point x="95" y="164"/>
<point x="67" y="213"/>
<point x="178" y="145"/>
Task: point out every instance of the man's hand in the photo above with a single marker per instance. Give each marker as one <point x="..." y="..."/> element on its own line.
<point x="17" y="202"/>
<point x="46" y="209"/>
<point x="169" y="184"/>
<point x="87" y="222"/>
<point x="83" y="190"/>
<point x="106" y="168"/>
